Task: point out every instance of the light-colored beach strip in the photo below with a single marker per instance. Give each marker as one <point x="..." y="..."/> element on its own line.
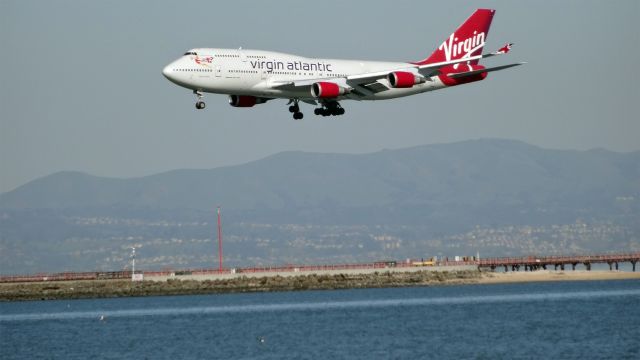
<point x="550" y="275"/>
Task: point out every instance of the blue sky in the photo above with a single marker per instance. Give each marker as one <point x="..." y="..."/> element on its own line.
<point x="82" y="87"/>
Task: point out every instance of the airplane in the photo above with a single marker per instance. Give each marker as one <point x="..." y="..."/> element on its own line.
<point x="253" y="77"/>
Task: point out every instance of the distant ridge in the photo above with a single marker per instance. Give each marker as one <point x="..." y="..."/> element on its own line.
<point x="447" y="179"/>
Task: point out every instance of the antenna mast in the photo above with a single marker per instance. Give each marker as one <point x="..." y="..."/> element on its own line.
<point x="133" y="263"/>
<point x="219" y="241"/>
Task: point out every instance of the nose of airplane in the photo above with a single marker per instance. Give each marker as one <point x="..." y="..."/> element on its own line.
<point x="168" y="71"/>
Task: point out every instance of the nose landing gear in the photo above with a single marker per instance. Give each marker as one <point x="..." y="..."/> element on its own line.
<point x="199" y="103"/>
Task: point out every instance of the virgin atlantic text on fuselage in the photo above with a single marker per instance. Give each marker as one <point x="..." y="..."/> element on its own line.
<point x="291" y="65"/>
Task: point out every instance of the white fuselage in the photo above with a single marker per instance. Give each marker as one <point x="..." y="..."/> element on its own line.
<point x="253" y="73"/>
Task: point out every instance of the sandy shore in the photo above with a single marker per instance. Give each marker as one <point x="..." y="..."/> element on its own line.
<point x="546" y="275"/>
<point x="212" y="284"/>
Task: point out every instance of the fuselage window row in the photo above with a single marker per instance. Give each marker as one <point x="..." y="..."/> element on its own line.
<point x="199" y="70"/>
<point x="255" y="72"/>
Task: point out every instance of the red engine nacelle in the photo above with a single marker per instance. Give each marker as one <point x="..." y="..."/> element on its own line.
<point x="324" y="90"/>
<point x="404" y="79"/>
<point x="245" y="100"/>
<point x="446" y="72"/>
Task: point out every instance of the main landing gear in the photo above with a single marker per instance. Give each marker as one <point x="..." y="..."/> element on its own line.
<point x="199" y="103"/>
<point x="329" y="108"/>
<point x="295" y="109"/>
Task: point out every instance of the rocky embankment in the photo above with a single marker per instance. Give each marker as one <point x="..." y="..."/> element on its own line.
<point x="122" y="288"/>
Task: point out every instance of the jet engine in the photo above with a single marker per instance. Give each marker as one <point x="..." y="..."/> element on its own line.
<point x="404" y="79"/>
<point x="452" y="75"/>
<point x="327" y="90"/>
<point x="245" y="100"/>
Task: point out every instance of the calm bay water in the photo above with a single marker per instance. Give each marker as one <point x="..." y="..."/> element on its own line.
<point x="597" y="319"/>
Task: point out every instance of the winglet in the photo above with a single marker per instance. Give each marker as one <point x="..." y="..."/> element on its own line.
<point x="505" y="49"/>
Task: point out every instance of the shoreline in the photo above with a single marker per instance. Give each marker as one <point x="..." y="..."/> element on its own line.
<point x="551" y="275"/>
<point x="90" y="289"/>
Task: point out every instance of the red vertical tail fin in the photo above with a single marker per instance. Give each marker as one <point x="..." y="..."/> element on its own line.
<point x="468" y="40"/>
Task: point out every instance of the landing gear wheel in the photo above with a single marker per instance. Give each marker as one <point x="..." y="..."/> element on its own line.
<point x="199" y="103"/>
<point x="335" y="111"/>
<point x="331" y="108"/>
<point x="295" y="109"/>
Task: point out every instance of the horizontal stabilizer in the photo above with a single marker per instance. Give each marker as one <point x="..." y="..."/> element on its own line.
<point x="480" y="71"/>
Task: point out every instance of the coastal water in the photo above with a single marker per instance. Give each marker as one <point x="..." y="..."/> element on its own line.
<point x="595" y="319"/>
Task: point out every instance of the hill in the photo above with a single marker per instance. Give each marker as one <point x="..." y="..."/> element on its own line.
<point x="481" y="174"/>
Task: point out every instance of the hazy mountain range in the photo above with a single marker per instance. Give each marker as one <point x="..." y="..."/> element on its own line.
<point x="440" y="189"/>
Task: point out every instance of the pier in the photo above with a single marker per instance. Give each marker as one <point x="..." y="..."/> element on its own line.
<point x="528" y="263"/>
<point x="532" y="263"/>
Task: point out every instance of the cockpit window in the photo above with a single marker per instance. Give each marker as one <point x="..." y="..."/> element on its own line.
<point x="190" y="53"/>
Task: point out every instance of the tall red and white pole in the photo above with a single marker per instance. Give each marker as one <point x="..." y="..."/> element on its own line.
<point x="219" y="241"/>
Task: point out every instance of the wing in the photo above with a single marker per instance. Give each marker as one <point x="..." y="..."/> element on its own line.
<point x="367" y="84"/>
